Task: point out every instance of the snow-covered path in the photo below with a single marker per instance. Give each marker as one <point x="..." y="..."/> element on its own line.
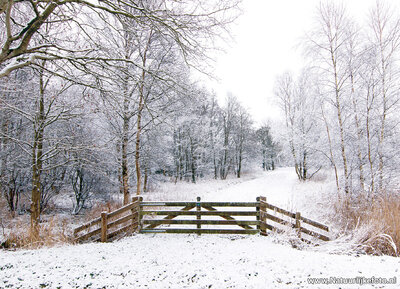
<point x="281" y="187"/>
<point x="191" y="261"/>
<point x="276" y="185"/>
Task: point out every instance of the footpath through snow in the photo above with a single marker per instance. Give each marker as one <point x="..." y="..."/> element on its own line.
<point x="191" y="261"/>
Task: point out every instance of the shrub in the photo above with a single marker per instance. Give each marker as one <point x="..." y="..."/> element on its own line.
<point x="52" y="232"/>
<point x="374" y="222"/>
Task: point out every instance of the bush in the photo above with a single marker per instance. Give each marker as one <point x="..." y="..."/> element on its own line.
<point x="53" y="232"/>
<point x="374" y="222"/>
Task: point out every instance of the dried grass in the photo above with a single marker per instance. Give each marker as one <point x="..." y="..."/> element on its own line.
<point x="374" y="222"/>
<point x="51" y="233"/>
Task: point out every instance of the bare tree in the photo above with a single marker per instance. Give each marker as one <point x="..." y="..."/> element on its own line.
<point x="299" y="102"/>
<point x="385" y="40"/>
<point x="328" y="43"/>
<point x="23" y="21"/>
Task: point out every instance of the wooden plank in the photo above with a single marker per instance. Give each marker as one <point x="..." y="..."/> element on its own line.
<point x="315" y="224"/>
<point x="277" y="220"/>
<point x="198" y="216"/>
<point x="87" y="225"/>
<point x="201" y="231"/>
<point x="279" y="210"/>
<point x="263" y="211"/>
<point x="232" y="204"/>
<point x="293" y="215"/>
<point x="98" y="231"/>
<point x="97" y="221"/>
<point x="187" y="208"/>
<point x="123" y="209"/>
<point x="103" y="228"/>
<point x="120" y="231"/>
<point x="135" y="210"/>
<point x="88" y="235"/>
<point x="304" y="230"/>
<point x="122" y="220"/>
<point x="263" y="203"/>
<point x="314" y="234"/>
<point x="202" y="222"/>
<point x="124" y="229"/>
<point x="228" y="217"/>
<point x="203" y="213"/>
<point x="208" y="204"/>
<point x="265" y="226"/>
<point x="298" y="224"/>
<point x="139" y="215"/>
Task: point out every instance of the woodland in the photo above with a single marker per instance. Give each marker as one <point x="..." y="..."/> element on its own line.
<point x="101" y="98"/>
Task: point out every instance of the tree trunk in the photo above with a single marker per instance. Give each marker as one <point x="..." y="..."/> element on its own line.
<point x="138" y="132"/>
<point x="304" y="176"/>
<point x="37" y="162"/>
<point x="139" y="115"/>
<point x="331" y="150"/>
<point x="124" y="161"/>
<point x="146" y="176"/>
<point x="338" y="105"/>
<point x="359" y="136"/>
<point x="369" y="142"/>
<point x="125" y="143"/>
<point x="383" y="123"/>
<point x="239" y="170"/>
<point x="4" y="144"/>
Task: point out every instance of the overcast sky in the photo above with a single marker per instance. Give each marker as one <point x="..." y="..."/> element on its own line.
<point x="266" y="44"/>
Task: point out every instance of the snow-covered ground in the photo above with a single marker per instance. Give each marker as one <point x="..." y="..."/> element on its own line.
<point x="179" y="261"/>
<point x="207" y="261"/>
<point x="278" y="186"/>
<point x="281" y="187"/>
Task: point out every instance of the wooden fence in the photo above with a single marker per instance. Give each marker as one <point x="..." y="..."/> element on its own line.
<point x="295" y="221"/>
<point x="123" y="220"/>
<point x="258" y="217"/>
<point x="210" y="210"/>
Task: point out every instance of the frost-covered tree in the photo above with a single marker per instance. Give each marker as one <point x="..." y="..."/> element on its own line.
<point x="268" y="148"/>
<point x="299" y="103"/>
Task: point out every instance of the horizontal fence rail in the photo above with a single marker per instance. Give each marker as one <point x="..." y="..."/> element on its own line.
<point x="209" y="204"/>
<point x="201" y="213"/>
<point x="256" y="217"/>
<point x="296" y="221"/>
<point x="201" y="222"/>
<point x="265" y="217"/>
<point x="201" y="231"/>
<point x="111" y="224"/>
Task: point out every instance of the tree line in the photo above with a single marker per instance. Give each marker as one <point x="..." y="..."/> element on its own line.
<point x="97" y="98"/>
<point x="340" y="111"/>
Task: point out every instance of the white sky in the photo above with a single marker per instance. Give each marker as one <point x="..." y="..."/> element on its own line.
<point x="266" y="37"/>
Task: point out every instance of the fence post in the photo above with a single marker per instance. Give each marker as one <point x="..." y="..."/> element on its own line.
<point x="258" y="216"/>
<point x="134" y="212"/>
<point x="103" y="227"/>
<point x="263" y="217"/>
<point x="298" y="224"/>
<point x="198" y="216"/>
<point x="140" y="216"/>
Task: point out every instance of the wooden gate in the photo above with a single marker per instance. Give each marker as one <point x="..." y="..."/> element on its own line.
<point x="200" y="218"/>
<point x="244" y="217"/>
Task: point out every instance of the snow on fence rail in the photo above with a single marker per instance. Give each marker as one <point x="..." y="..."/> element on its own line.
<point x="260" y="218"/>
<point x="123" y="220"/>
